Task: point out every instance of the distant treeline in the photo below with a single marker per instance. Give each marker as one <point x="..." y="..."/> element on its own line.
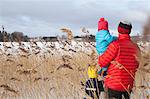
<point x="86" y="38"/>
<point x="91" y="38"/>
<point x="19" y="36"/>
<point x="141" y="38"/>
<point x="13" y="37"/>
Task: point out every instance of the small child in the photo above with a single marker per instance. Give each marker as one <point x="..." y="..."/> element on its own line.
<point x="92" y="72"/>
<point x="93" y="86"/>
<point x="103" y="39"/>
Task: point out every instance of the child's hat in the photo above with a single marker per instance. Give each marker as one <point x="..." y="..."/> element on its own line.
<point x="124" y="27"/>
<point x="102" y="24"/>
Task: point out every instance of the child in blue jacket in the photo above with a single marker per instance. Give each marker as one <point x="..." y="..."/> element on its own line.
<point x="103" y="39"/>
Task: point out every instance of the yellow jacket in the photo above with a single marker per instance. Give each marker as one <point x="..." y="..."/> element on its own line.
<point x="92" y="72"/>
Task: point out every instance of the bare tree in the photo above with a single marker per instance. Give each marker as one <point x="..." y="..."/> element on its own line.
<point x="17" y="36"/>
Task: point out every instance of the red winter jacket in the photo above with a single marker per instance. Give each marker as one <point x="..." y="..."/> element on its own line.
<point x="123" y="50"/>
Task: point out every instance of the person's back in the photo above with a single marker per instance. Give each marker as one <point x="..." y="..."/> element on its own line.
<point x="122" y="79"/>
<point x="119" y="80"/>
<point x="103" y="39"/>
<point x="92" y="72"/>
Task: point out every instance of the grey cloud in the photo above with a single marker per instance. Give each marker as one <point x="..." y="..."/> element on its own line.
<point x="49" y="15"/>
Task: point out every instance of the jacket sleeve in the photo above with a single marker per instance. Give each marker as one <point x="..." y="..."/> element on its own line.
<point x="109" y="38"/>
<point x="109" y="55"/>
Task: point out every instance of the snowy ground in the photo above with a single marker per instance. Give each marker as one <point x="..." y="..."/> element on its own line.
<point x="45" y="47"/>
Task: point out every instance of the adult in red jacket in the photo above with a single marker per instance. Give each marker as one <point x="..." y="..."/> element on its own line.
<point x="119" y="80"/>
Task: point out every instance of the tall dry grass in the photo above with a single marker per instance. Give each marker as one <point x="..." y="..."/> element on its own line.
<point x="42" y="75"/>
<point x="142" y="81"/>
<point x="56" y="73"/>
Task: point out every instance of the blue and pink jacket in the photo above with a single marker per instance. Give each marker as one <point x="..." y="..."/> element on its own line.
<point x="103" y="39"/>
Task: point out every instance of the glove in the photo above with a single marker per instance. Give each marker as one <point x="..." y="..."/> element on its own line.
<point x="102" y="72"/>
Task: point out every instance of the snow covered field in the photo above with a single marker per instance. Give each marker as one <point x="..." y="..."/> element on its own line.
<point x="45" y="47"/>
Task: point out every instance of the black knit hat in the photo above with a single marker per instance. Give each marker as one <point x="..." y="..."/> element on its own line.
<point x="124" y="27"/>
<point x="125" y="24"/>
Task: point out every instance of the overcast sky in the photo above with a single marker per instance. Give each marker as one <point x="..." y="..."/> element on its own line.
<point x="46" y="17"/>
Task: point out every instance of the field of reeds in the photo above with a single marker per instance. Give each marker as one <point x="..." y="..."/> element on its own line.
<point x="43" y="70"/>
<point x="57" y="70"/>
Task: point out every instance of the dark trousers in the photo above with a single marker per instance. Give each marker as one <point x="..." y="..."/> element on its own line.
<point x="112" y="94"/>
<point x="94" y="83"/>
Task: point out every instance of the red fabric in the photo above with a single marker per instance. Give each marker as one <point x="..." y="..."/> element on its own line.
<point x="122" y="51"/>
<point x="123" y="30"/>
<point x="102" y="24"/>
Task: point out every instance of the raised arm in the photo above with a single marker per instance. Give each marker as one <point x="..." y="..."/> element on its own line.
<point x="109" y="55"/>
<point x="109" y="38"/>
